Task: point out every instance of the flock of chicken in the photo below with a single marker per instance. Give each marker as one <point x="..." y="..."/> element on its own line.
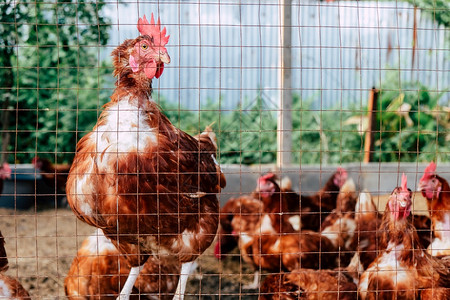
<point x="330" y="245"/>
<point x="151" y="190"/>
<point x="336" y="245"/>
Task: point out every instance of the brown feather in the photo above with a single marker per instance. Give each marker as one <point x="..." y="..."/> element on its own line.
<point x="313" y="209"/>
<point x="308" y="284"/>
<point x="278" y="246"/>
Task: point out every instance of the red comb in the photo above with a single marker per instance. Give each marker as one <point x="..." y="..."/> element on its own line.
<point x="5" y="171"/>
<point x="404" y="183"/>
<point x="6" y="167"/>
<point x="153" y="30"/>
<point x="429" y="171"/>
<point x="267" y="176"/>
<point x="341" y="170"/>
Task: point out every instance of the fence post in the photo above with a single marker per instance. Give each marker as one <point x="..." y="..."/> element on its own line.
<point x="372" y="125"/>
<point x="284" y="128"/>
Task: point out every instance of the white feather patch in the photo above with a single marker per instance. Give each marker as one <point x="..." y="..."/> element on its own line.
<point x="441" y="243"/>
<point x="439" y="247"/>
<point x="126" y="129"/>
<point x="266" y="225"/>
<point x="389" y="264"/>
<point x="98" y="243"/>
<point x="245" y="238"/>
<point x="4" y="290"/>
<point x="296" y="222"/>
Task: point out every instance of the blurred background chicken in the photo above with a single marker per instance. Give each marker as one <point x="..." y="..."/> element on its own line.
<point x="309" y="211"/>
<point x="365" y="240"/>
<point x="403" y="269"/>
<point x="238" y="217"/>
<point x="437" y="192"/>
<point x="275" y="245"/>
<point x="99" y="272"/>
<point x="10" y="288"/>
<point x="54" y="175"/>
<point x="5" y="173"/>
<point x="313" y="284"/>
<point x="340" y="225"/>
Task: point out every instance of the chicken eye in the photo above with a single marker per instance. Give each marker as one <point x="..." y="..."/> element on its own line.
<point x="144" y="46"/>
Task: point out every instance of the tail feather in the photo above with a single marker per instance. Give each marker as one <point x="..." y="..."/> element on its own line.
<point x="365" y="206"/>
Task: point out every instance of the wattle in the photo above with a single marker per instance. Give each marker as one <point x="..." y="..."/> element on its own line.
<point x="266" y="194"/>
<point x="217" y="251"/>
<point x="150" y="69"/>
<point x="159" y="70"/>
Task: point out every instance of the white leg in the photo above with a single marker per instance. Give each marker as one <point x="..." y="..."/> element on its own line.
<point x="131" y="279"/>
<point x="184" y="274"/>
<point x="194" y="272"/>
<point x="193" y="267"/>
<point x="255" y="284"/>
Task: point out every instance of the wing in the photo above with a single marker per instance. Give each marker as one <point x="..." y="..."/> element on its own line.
<point x="136" y="174"/>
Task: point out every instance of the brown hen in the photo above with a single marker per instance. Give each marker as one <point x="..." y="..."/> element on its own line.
<point x="277" y="246"/>
<point x="437" y="192"/>
<point x="403" y="270"/>
<point x="150" y="187"/>
<point x="54" y="175"/>
<point x="308" y="212"/>
<point x="10" y="288"/>
<point x="312" y="284"/>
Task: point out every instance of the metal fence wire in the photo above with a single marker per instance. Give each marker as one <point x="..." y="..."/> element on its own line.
<point x="271" y="149"/>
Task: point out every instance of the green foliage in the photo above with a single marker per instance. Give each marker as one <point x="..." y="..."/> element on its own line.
<point x="247" y="135"/>
<point x="413" y="126"/>
<point x="438" y="10"/>
<point x="60" y="84"/>
<point x="56" y="88"/>
<point x="319" y="136"/>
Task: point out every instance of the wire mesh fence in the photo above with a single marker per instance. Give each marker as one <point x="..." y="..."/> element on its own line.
<point x="280" y="178"/>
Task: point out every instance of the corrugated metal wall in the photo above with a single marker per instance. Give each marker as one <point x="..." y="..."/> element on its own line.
<point x="230" y="49"/>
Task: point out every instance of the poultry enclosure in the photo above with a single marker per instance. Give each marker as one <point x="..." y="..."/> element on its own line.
<point x="310" y="108"/>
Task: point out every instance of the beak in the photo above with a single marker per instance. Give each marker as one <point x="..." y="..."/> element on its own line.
<point x="164" y="57"/>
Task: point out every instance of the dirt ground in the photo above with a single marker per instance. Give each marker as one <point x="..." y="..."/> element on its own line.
<point x="42" y="244"/>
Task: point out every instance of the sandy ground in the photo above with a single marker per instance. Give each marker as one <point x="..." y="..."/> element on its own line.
<point x="42" y="244"/>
